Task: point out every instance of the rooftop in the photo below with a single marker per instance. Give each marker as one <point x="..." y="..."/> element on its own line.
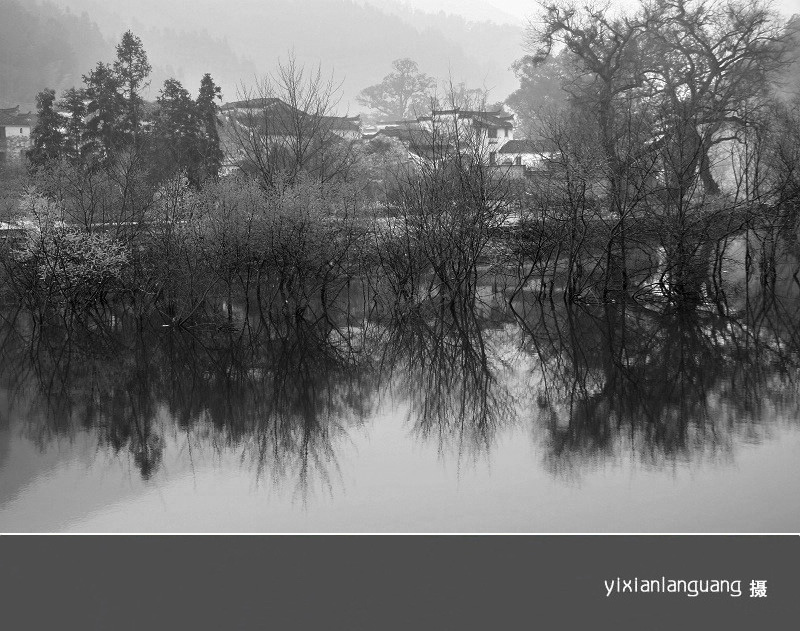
<point x="520" y="145"/>
<point x="10" y="117"/>
<point x="495" y="119"/>
<point x="284" y="115"/>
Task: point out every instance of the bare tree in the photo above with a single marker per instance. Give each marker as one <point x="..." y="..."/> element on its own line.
<point x="660" y="87"/>
<point x="710" y="62"/>
<point x="287" y="125"/>
<point x="403" y="92"/>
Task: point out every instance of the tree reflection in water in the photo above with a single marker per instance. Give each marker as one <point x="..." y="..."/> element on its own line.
<point x="672" y="383"/>
<point x="446" y="368"/>
<point x="283" y="401"/>
<point x="664" y="383"/>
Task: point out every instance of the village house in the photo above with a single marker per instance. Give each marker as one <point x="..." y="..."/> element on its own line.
<point x="484" y="131"/>
<point x="522" y="152"/>
<point x="13" y="124"/>
<point x="254" y="125"/>
<point x="281" y="120"/>
<point x="15" y="133"/>
<point x="418" y="140"/>
<point x="490" y="130"/>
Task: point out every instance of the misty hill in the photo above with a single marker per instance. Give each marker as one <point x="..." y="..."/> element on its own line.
<point x="41" y="46"/>
<point x="187" y="56"/>
<point x="472" y="10"/>
<point x="44" y="45"/>
<point x="356" y="40"/>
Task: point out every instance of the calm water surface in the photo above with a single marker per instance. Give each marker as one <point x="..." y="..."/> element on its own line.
<point x="477" y="418"/>
<point x="387" y="481"/>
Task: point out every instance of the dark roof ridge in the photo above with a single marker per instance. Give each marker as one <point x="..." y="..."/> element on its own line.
<point x="519" y="145"/>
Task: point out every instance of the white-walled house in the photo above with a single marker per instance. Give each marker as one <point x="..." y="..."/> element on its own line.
<point x="14" y="125"/>
<point x="522" y="152"/>
<point x="490" y="129"/>
<point x="427" y="135"/>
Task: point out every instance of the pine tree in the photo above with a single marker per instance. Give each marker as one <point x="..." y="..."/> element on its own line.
<point x="131" y="69"/>
<point x="47" y="137"/>
<point x="177" y="130"/>
<point x="104" y="111"/>
<point x="73" y="102"/>
<point x="211" y="154"/>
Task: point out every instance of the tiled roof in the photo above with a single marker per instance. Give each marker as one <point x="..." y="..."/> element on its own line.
<point x="283" y="115"/>
<point x="419" y="141"/>
<point x="399" y="123"/>
<point x="492" y="121"/>
<point x="10" y="117"/>
<point x="408" y="134"/>
<point x="497" y="119"/>
<point x="259" y="103"/>
<point x="500" y="113"/>
<point x="519" y="145"/>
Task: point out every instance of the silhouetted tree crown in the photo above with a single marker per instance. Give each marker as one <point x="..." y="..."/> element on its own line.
<point x="402" y="92"/>
<point x="47" y="137"/>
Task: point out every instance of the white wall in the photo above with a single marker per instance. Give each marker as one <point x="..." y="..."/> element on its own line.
<point x="532" y="160"/>
<point x="23" y="131"/>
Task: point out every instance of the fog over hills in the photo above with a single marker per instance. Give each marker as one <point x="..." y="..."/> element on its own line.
<point x="41" y="47"/>
<point x="239" y="40"/>
<point x="45" y="45"/>
<point x="498" y="11"/>
<point x="51" y="43"/>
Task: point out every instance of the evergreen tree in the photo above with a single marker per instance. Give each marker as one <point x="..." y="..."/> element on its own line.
<point x="47" y="137"/>
<point x="177" y="130"/>
<point x="73" y="102"/>
<point x="104" y="110"/>
<point x="209" y="148"/>
<point x="131" y="69"/>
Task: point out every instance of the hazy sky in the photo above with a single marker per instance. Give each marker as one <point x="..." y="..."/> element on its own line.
<point x="352" y="43"/>
<point x="521" y="9"/>
<point x="500" y="10"/>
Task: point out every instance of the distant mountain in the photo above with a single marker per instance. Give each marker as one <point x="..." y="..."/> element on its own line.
<point x="357" y="40"/>
<point x="472" y="10"/>
<point x="187" y="56"/>
<point x="495" y="42"/>
<point x="41" y="46"/>
<point x="45" y="45"/>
